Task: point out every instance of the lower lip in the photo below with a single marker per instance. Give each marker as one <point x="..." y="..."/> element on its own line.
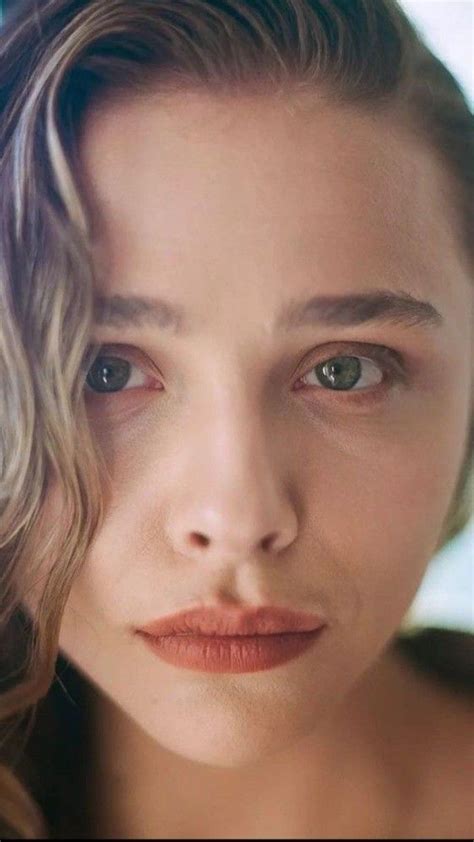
<point x="250" y="653"/>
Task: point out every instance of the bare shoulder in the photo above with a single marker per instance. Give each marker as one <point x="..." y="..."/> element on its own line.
<point x="439" y="668"/>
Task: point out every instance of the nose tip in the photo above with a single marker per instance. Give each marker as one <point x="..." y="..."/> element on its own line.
<point x="228" y="540"/>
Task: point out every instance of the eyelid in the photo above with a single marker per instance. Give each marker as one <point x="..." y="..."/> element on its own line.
<point x="128" y="352"/>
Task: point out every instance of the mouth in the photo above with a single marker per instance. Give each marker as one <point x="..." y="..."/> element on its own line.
<point x="232" y="640"/>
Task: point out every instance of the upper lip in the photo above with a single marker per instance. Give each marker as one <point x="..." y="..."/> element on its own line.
<point x="218" y="621"/>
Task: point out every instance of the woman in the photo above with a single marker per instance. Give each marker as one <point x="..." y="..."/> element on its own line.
<point x="236" y="382"/>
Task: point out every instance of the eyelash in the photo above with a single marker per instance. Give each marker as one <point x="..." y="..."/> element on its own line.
<point x="389" y="361"/>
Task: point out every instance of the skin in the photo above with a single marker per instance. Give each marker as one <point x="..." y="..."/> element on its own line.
<point x="230" y="207"/>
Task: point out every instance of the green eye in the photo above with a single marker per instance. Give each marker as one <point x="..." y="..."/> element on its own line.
<point x="345" y="373"/>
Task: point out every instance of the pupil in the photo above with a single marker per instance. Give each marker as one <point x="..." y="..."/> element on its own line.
<point x="108" y="374"/>
<point x="341" y="375"/>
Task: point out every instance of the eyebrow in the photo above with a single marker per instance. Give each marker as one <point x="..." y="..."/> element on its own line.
<point x="381" y="306"/>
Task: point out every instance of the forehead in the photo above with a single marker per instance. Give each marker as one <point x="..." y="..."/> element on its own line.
<point x="190" y="173"/>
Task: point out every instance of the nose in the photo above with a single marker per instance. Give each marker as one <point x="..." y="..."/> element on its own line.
<point x="230" y="503"/>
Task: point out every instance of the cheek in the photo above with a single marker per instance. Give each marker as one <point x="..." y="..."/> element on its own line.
<point x="378" y="498"/>
<point x="116" y="569"/>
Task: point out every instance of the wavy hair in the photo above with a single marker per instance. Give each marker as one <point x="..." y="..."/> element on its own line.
<point x="56" y="58"/>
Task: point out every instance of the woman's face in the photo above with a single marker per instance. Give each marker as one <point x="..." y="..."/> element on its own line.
<point x="235" y="212"/>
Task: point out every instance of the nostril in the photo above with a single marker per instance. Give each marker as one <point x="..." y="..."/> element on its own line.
<point x="267" y="542"/>
<point x="199" y="539"/>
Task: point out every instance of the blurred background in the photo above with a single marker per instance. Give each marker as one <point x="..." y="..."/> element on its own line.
<point x="445" y="597"/>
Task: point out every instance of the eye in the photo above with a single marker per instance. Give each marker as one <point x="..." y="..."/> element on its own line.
<point x="343" y="373"/>
<point x="110" y="374"/>
<point x="349" y="373"/>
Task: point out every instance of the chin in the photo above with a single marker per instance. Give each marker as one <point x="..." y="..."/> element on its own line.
<point x="232" y="744"/>
<point x="228" y="754"/>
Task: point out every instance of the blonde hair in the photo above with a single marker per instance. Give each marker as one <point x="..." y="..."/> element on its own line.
<point x="56" y="58"/>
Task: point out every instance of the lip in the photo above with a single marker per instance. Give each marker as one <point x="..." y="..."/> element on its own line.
<point x="217" y="621"/>
<point x="232" y="640"/>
